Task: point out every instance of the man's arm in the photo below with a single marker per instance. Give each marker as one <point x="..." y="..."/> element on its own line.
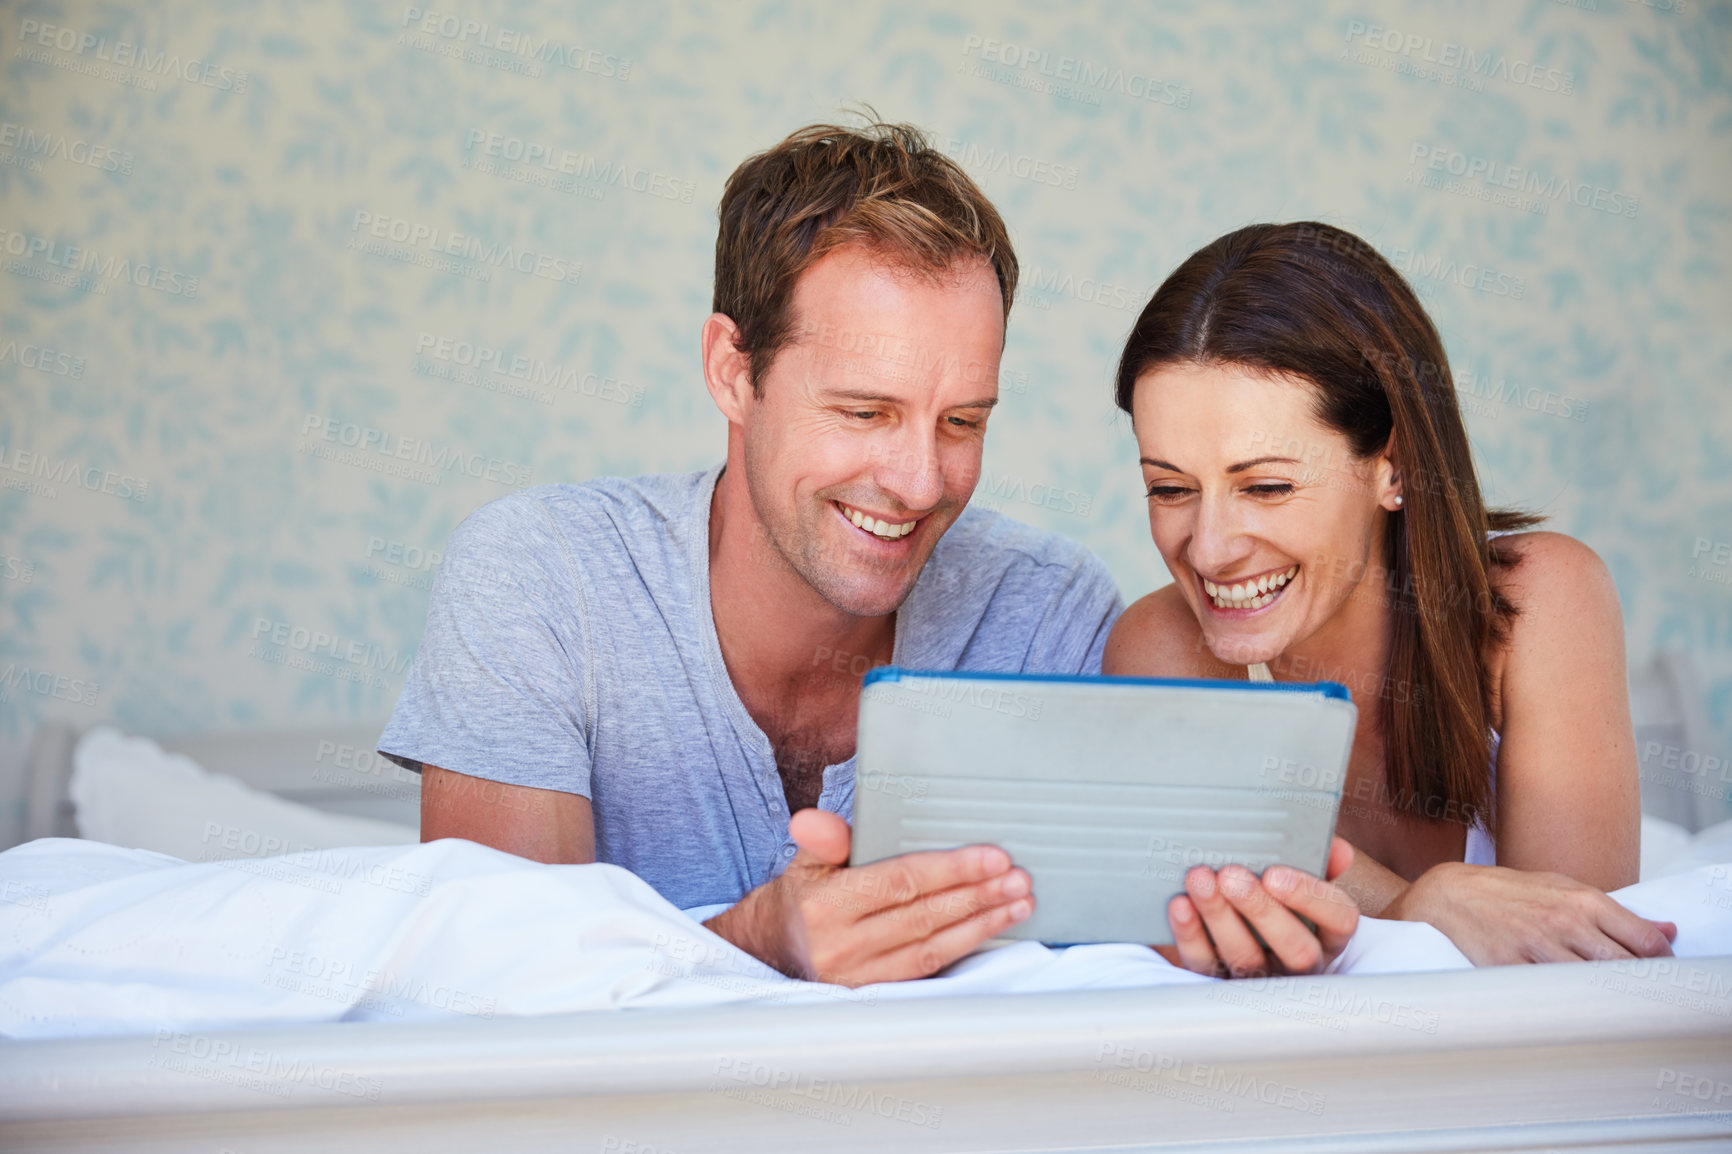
<point x="543" y="825"/>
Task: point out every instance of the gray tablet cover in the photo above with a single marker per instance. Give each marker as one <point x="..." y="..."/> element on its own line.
<point x="1105" y="789"/>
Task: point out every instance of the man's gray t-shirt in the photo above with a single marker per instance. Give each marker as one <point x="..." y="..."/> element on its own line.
<point x="570" y="646"/>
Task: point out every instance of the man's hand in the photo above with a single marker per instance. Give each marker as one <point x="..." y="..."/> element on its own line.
<point x="907" y="917"/>
<point x="1213" y="919"/>
<point x="1500" y="917"/>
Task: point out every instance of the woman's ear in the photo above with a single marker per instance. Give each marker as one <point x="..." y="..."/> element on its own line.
<point x="1390" y="493"/>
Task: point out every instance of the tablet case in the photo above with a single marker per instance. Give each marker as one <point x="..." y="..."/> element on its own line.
<point x="1105" y="789"/>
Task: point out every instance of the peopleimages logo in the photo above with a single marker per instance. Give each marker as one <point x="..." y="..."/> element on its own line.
<point x="991" y="161"/>
<point x="42" y="358"/>
<point x="1472" y="276"/>
<point x="78" y="260"/>
<point x="45" y="145"/>
<point x="1069" y="77"/>
<point x="532" y="371"/>
<point x="516" y="42"/>
<point x="1481" y="177"/>
<point x="479" y="144"/>
<point x="66" y="471"/>
<point x="126" y="55"/>
<point x="423" y="458"/>
<point x="47" y="683"/>
<point x="1053" y="283"/>
<point x="1452" y="57"/>
<point x="319" y="643"/>
<point x="426" y="242"/>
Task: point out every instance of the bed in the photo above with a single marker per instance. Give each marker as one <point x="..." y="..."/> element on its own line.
<point x="1610" y="1056"/>
<point x="1537" y="1058"/>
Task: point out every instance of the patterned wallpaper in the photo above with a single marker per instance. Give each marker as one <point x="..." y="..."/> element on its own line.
<point x="287" y="289"/>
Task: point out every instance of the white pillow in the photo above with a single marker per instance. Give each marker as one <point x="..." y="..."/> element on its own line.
<point x="130" y="793"/>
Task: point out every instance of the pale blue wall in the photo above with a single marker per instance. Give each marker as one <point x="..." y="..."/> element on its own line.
<point x="245" y="167"/>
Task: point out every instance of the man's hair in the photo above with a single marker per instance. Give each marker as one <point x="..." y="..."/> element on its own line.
<point x="882" y="186"/>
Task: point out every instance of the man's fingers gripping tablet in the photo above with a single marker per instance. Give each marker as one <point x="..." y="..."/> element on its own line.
<point x="905" y="917"/>
<point x="926" y="955"/>
<point x="912" y="915"/>
<point x="932" y="911"/>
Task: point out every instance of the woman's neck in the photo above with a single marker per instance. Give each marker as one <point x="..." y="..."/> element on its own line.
<point x="1352" y="647"/>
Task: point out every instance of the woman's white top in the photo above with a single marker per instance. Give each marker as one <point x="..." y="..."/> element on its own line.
<point x="1481" y="850"/>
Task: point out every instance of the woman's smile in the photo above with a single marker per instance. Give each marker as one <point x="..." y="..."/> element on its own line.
<point x="1242" y="596"/>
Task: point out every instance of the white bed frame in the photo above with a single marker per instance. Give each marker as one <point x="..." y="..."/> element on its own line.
<point x="1580" y="1057"/>
<point x="1610" y="1056"/>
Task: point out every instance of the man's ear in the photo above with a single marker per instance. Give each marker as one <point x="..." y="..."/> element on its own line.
<point x="727" y="370"/>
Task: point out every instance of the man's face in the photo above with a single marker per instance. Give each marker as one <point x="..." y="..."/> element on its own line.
<point x="864" y="442"/>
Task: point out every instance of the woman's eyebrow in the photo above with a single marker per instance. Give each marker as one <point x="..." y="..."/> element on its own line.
<point x="1243" y="465"/>
<point x="1152" y="463"/>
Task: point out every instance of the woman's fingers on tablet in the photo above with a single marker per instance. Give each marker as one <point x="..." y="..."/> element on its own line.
<point x="1234" y="944"/>
<point x="1295" y="948"/>
<point x="1329" y="907"/>
<point x="1191" y="941"/>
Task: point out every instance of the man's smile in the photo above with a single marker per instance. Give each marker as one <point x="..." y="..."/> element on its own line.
<point x="882" y="529"/>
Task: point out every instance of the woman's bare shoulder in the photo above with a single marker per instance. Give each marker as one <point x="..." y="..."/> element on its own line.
<point x="1158" y="636"/>
<point x="1552" y="575"/>
<point x="1568" y="623"/>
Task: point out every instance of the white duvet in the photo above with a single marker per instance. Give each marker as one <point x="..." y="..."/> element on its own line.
<point x="95" y="939"/>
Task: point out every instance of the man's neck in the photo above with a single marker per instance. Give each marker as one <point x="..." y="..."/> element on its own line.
<point x="778" y="636"/>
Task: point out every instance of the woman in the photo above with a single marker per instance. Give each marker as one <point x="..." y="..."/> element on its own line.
<point x="1311" y="490"/>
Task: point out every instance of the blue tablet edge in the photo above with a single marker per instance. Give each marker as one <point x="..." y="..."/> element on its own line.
<point x="1325" y="688"/>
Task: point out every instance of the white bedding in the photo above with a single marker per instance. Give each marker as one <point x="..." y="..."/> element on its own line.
<point x="95" y="939"/>
<point x="129" y="791"/>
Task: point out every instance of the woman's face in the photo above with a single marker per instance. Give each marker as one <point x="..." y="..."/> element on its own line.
<point x="1266" y="520"/>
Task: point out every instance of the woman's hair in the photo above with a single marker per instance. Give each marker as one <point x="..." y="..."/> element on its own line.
<point x="1312" y="301"/>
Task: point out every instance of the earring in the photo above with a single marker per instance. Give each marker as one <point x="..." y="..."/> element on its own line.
<point x="1398" y="500"/>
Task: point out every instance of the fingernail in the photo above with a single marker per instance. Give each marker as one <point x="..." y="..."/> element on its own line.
<point x="995" y="860"/>
<point x="1021" y="909"/>
<point x="1235" y="883"/>
<point x="1201" y="882"/>
<point x="1015" y="885"/>
<point x="1280" y="879"/>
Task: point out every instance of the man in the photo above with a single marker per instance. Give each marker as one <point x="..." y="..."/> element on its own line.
<point x="664" y="672"/>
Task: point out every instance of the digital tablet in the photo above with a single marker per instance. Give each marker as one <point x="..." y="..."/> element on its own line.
<point x="1105" y="789"/>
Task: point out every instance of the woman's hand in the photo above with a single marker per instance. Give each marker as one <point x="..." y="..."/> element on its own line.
<point x="1213" y="919"/>
<point x="1500" y="917"/>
